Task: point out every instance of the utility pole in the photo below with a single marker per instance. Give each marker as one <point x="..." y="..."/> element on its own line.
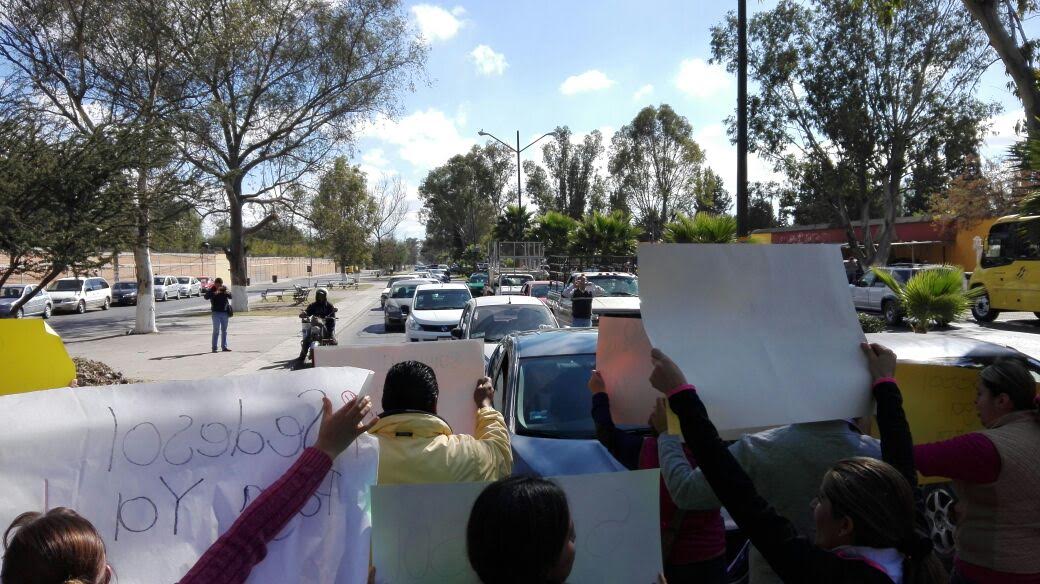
<point x="518" y="191"/>
<point x="518" y="150"/>
<point x="742" y="138"/>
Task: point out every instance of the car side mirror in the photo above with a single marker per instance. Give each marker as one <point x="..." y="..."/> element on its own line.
<point x="456" y="333"/>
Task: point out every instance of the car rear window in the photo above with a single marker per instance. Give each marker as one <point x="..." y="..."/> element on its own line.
<point x="125" y="286"/>
<point x="491" y="323"/>
<point x="441" y="299"/>
<point x="66" y="286"/>
<point x="540" y="290"/>
<point x="9" y="292"/>
<point x="184" y="280"/>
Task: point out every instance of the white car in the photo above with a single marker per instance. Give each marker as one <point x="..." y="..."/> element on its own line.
<point x="189" y="285"/>
<point x="511" y="283"/>
<point x="436" y="310"/>
<point x="399" y="303"/>
<point x="491" y="318"/>
<point x="79" y="294"/>
<point x="386" y="291"/>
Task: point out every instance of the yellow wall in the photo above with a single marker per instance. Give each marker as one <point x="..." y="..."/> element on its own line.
<point x="761" y="238"/>
<point x="962" y="252"/>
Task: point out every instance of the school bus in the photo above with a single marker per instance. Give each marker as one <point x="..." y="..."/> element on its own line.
<point x="1009" y="270"/>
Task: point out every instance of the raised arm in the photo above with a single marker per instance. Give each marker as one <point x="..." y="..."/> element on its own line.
<point x="623" y="446"/>
<point x="897" y="444"/>
<point x="489" y="446"/>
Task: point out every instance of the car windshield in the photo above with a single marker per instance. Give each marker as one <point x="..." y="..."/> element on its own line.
<point x="516" y="280"/>
<point x="403" y="291"/>
<point x="66" y="286"/>
<point x="441" y="299"/>
<point x="491" y="323"/>
<point x="10" y="292"/>
<point x="540" y="290"/>
<point x="481" y="278"/>
<point x="125" y="286"/>
<point x="159" y="281"/>
<point x="552" y="397"/>
<point x="616" y="285"/>
<point x="183" y="280"/>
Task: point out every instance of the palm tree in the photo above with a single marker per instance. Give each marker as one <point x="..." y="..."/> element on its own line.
<point x="702" y="228"/>
<point x="554" y="230"/>
<point x="605" y="235"/>
<point x="514" y="224"/>
<point x="934" y="295"/>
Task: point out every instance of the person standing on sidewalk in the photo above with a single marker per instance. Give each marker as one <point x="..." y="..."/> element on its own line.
<point x="581" y="303"/>
<point x="220" y="309"/>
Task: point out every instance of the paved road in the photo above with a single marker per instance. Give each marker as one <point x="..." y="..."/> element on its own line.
<point x="117" y="320"/>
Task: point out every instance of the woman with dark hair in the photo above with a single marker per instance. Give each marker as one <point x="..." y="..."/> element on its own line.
<point x="864" y="513"/>
<point x="996" y="476"/>
<point x="220" y="309"/>
<point x="61" y="547"/>
<point x="520" y="532"/>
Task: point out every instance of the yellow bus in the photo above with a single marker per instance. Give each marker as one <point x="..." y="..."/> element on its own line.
<point x="1009" y="269"/>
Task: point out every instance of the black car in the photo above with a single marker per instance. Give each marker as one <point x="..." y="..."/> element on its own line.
<point x="124" y="293"/>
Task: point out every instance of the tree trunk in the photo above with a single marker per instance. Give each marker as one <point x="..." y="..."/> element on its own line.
<point x="236" y="255"/>
<point x="144" y="319"/>
<point x="986" y="13"/>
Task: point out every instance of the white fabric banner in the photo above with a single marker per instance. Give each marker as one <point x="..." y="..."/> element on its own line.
<point x="767" y="333"/>
<point x="163" y="469"/>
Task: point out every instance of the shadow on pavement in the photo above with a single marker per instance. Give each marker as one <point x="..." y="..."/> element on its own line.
<point x="375" y="329"/>
<point x="169" y="357"/>
<point x="1018" y="326"/>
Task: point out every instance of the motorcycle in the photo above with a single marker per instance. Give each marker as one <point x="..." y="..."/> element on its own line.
<point x="314" y="333"/>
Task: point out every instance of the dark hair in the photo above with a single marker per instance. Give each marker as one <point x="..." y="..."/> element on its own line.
<point x="57" y="547"/>
<point x="517" y="530"/>
<point x="1011" y="377"/>
<point x="880" y="503"/>
<point x="410" y="385"/>
<point x="218" y="281"/>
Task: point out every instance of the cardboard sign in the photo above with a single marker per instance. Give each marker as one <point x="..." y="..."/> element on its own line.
<point x="623" y="359"/>
<point x="767" y="333"/>
<point x="419" y="531"/>
<point x="457" y="364"/>
<point x="163" y="469"/>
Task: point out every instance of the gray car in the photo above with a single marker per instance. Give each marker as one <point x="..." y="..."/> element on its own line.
<point x="871" y="294"/>
<point x="189" y="286"/>
<point x="39" y="304"/>
<point x="399" y="302"/>
<point x="166" y="287"/>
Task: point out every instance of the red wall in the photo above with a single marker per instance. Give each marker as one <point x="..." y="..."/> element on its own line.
<point x="919" y="231"/>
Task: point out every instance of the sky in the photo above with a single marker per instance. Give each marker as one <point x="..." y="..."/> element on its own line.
<point x="531" y="66"/>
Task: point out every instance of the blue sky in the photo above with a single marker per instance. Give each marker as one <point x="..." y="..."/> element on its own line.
<point x="533" y="65"/>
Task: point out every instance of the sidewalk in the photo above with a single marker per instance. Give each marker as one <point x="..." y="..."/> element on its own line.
<point x="182" y="350"/>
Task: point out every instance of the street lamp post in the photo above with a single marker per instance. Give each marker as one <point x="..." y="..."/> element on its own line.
<point x="742" y="131"/>
<point x="518" y="150"/>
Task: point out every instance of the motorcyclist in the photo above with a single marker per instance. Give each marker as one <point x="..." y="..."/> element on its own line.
<point x="323" y="308"/>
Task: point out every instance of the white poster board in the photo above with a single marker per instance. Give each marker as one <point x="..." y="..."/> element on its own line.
<point x="623" y="359"/>
<point x="163" y="469"/>
<point x="767" y="333"/>
<point x="457" y="364"/>
<point x="419" y="531"/>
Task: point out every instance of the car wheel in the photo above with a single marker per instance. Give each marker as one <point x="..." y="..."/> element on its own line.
<point x="890" y="309"/>
<point x="21" y="313"/>
<point x="386" y="324"/>
<point x="81" y="307"/>
<point x="939" y="511"/>
<point x="982" y="311"/>
<point x="165" y="297"/>
<point x="46" y="312"/>
<point x="106" y="304"/>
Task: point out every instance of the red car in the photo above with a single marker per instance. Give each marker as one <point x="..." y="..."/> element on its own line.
<point x="204" y="282"/>
<point x="537" y="288"/>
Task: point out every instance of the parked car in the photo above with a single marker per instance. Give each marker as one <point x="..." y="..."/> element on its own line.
<point x="124" y="293"/>
<point x="477" y="283"/>
<point x="871" y="294"/>
<point x="189" y="286"/>
<point x="399" y="303"/>
<point x="510" y="283"/>
<point x="205" y="282"/>
<point x="1007" y="271"/>
<point x="614" y="294"/>
<point x="436" y="310"/>
<point x="440" y="274"/>
<point x="79" y="294"/>
<point x="491" y="318"/>
<point x="40" y="303"/>
<point x="537" y="289"/>
<point x="386" y="291"/>
<point x="163" y="287"/>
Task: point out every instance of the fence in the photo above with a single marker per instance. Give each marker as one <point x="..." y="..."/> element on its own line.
<point x="260" y="269"/>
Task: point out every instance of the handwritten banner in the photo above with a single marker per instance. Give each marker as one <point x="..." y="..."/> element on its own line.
<point x="419" y="531"/>
<point x="163" y="469"/>
<point x="457" y="364"/>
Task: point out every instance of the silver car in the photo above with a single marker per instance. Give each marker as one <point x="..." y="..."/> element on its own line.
<point x="189" y="286"/>
<point x="870" y="293"/>
<point x="166" y="287"/>
<point x="39" y="304"/>
<point x="399" y="303"/>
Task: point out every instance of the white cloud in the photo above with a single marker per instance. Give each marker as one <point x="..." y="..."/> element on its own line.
<point x="1002" y="133"/>
<point x="424" y="138"/>
<point x="699" y="79"/>
<point x="488" y="61"/>
<point x="643" y="92"/>
<point x="375" y="157"/>
<point x="437" y="24"/>
<point x="591" y="80"/>
<point x="721" y="157"/>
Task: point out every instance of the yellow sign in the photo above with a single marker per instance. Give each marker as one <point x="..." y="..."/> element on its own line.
<point x="32" y="357"/>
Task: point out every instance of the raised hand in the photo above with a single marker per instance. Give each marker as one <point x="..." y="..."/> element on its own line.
<point x="339" y="429"/>
<point x="484" y="393"/>
<point x="596" y="383"/>
<point x="881" y="361"/>
<point x="666" y="375"/>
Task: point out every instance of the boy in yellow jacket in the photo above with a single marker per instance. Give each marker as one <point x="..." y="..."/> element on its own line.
<point x="416" y="446"/>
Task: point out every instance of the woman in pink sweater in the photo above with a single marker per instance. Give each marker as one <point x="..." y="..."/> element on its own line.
<point x="61" y="547"/>
<point x="997" y="480"/>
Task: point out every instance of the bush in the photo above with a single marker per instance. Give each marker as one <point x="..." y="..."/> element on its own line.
<point x="702" y="228"/>
<point x="932" y="296"/>
<point x="871" y="324"/>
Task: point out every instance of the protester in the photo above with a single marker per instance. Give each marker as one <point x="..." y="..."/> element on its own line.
<point x="786" y="464"/>
<point x="693" y="543"/>
<point x="581" y="302"/>
<point x="220" y="310"/>
<point x="416" y="446"/>
<point x="864" y="511"/>
<point x="61" y="547"/>
<point x="996" y="477"/>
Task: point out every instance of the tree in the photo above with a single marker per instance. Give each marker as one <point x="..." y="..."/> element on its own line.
<point x="389" y="195"/>
<point x="604" y="235"/>
<point x="513" y="225"/>
<point x="571" y="168"/>
<point x="712" y="196"/>
<point x="988" y="190"/>
<point x="343" y="213"/>
<point x="862" y="105"/>
<point x="554" y="229"/>
<point x="538" y="188"/>
<point x="411" y="255"/>
<point x="279" y="84"/>
<point x="655" y="163"/>
<point x="701" y="228"/>
<point x="459" y="202"/>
